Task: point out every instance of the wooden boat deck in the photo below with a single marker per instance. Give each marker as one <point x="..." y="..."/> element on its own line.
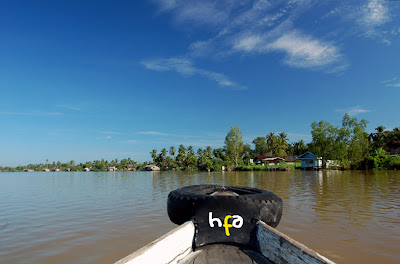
<point x="224" y="254"/>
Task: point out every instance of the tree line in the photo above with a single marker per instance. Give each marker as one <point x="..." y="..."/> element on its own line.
<point x="349" y="144"/>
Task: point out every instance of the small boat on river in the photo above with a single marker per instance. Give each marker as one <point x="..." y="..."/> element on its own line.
<point x="224" y="224"/>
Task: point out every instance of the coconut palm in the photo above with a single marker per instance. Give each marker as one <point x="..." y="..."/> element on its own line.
<point x="153" y="154"/>
<point x="172" y="151"/>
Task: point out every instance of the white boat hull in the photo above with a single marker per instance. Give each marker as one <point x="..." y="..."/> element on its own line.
<point x="177" y="246"/>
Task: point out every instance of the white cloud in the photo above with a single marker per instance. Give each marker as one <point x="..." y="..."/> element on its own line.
<point x="248" y="43"/>
<point x="395" y="31"/>
<point x="167" y="4"/>
<point x="222" y="80"/>
<point x="33" y="113"/>
<point x="393" y="85"/>
<point x="198" y="143"/>
<point x="390" y="80"/>
<point x="129" y="141"/>
<point x="254" y="27"/>
<point x="113" y="154"/>
<point x="186" y="68"/>
<point x="355" y="110"/>
<point x="153" y="133"/>
<point x="180" y="65"/>
<point x="257" y="27"/>
<point x="108" y="137"/>
<point x="199" y="13"/>
<point x="109" y="132"/>
<point x="305" y="52"/>
<point x="69" y="107"/>
<point x="375" y="13"/>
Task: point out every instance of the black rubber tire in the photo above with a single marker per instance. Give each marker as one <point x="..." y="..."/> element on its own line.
<point x="185" y="203"/>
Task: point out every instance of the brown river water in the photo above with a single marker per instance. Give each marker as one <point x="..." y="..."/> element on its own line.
<point x="100" y="217"/>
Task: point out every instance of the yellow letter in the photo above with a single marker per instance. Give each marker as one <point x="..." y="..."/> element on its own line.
<point x="226" y="225"/>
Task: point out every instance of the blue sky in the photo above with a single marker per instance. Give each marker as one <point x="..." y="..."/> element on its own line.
<point x="86" y="80"/>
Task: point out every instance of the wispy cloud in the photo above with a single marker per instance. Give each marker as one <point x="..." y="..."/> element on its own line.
<point x="353" y="111"/>
<point x="153" y="133"/>
<point x="113" y="154"/>
<point x="249" y="27"/>
<point x="186" y="68"/>
<point x="305" y="52"/>
<point x="33" y="113"/>
<point x="204" y="143"/>
<point x="391" y="82"/>
<point x="129" y="141"/>
<point x="201" y="13"/>
<point x="372" y="18"/>
<point x="196" y="143"/>
<point x="375" y="13"/>
<point x="69" y="107"/>
<point x="109" y="132"/>
<point x="300" y="50"/>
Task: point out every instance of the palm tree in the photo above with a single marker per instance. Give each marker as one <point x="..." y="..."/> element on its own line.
<point x="153" y="154"/>
<point x="200" y="153"/>
<point x="163" y="153"/>
<point x="172" y="151"/>
<point x="271" y="142"/>
<point x="299" y="147"/>
<point x="378" y="138"/>
<point x="191" y="159"/>
<point x="282" y="144"/>
<point x="181" y="155"/>
<point x="208" y="152"/>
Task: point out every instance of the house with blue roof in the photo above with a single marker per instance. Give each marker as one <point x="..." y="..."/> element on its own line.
<point x="310" y="161"/>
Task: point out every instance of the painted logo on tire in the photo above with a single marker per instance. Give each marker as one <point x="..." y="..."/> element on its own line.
<point x="237" y="222"/>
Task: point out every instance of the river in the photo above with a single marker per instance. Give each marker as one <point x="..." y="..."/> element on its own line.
<point x="100" y="217"/>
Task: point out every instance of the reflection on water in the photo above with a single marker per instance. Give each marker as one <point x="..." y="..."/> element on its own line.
<point x="89" y="217"/>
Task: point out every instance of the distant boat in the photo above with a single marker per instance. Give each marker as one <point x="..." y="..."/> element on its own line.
<point x="46" y="170"/>
<point x="151" y="168"/>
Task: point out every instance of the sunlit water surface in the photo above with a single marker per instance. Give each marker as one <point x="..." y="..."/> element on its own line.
<point x="100" y="217"/>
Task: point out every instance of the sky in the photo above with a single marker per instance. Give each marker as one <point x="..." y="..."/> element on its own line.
<point x="90" y="80"/>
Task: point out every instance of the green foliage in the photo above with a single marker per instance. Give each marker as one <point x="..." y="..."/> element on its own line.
<point x="275" y="145"/>
<point x="298" y="148"/>
<point x="190" y="160"/>
<point x="348" y="144"/>
<point x="234" y="145"/>
<point x="388" y="140"/>
<point x="172" y="151"/>
<point x="260" y="146"/>
<point x="251" y="168"/>
<point x="153" y="154"/>
<point x="181" y="155"/>
<point x="394" y="163"/>
<point x="380" y="160"/>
